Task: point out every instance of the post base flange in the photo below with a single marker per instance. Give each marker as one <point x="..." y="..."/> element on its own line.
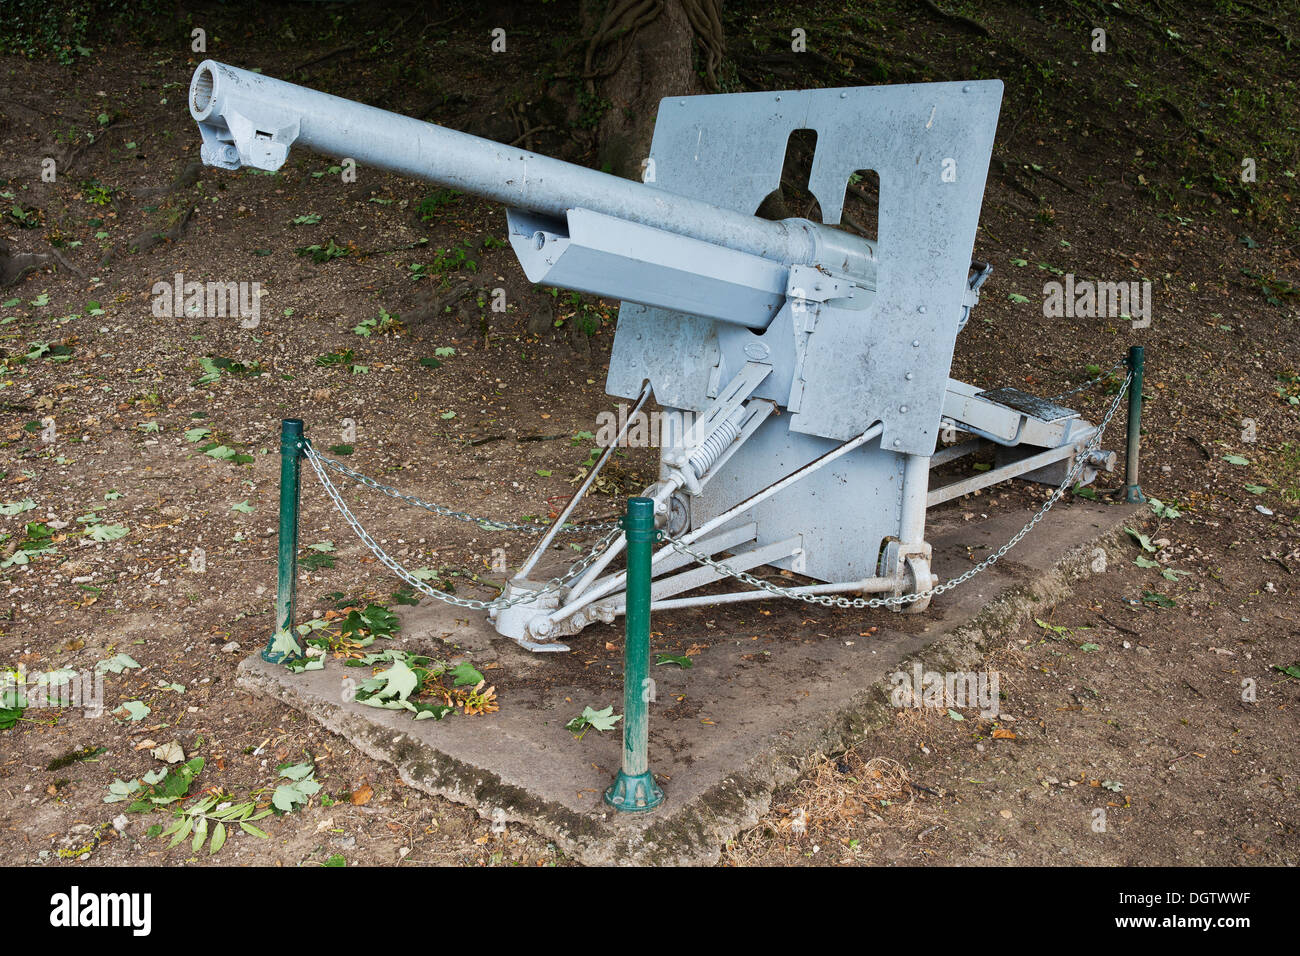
<point x="633" y="794"/>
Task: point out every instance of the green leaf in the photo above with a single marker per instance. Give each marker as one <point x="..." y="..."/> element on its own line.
<point x="244" y="507"/>
<point x="298" y="771"/>
<point x="1235" y="460"/>
<point x="182" y="833"/>
<point x="381" y="621"/>
<point x="954" y="715"/>
<point x="283" y="643"/>
<point x="1017" y="298"/>
<point x="107" y="532"/>
<point x="1142" y="562"/>
<point x="1142" y="540"/>
<point x="135" y="710"/>
<point x="218" y="838"/>
<point x="1089" y="647"/>
<point x="465" y="675"/>
<point x="11" y="713"/>
<point x="1256" y="489"/>
<point x="286" y="797"/>
<point x="1163" y="510"/>
<point x="399" y="681"/>
<point x="683" y="662"/>
<point x="314" y="562"/>
<point x="116" y="664"/>
<point x="601" y="719"/>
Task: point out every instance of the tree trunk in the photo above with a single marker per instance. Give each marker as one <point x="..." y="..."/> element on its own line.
<point x="657" y="60"/>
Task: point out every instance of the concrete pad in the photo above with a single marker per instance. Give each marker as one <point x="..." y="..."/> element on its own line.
<point x="765" y="720"/>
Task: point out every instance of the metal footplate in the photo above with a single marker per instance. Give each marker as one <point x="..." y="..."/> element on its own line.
<point x="1044" y="409"/>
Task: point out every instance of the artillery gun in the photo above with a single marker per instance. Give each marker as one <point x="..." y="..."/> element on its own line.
<point x="803" y="370"/>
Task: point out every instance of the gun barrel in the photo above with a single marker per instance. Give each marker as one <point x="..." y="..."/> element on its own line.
<point x="250" y="119"/>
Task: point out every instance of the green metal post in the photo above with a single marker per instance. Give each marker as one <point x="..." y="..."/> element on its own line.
<point x="287" y="576"/>
<point x="1136" y="364"/>
<point x="634" y="788"/>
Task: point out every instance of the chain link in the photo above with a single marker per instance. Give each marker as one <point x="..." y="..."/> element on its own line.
<point x="901" y="599"/>
<point x="487" y="524"/>
<point x="319" y="464"/>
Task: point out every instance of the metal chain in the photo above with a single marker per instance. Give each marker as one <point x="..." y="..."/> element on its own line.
<point x="900" y="599"/>
<point x="577" y="568"/>
<point x="487" y="524"/>
<point x="1087" y="385"/>
<point x="320" y="463"/>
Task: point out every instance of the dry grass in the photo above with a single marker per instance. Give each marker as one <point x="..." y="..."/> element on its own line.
<point x="842" y="805"/>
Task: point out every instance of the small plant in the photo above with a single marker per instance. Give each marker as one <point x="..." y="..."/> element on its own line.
<point x="214" y="366"/>
<point x="428" y="208"/>
<point x="325" y="253"/>
<point x="96" y="193"/>
<point x="24" y="218"/>
<point x="384" y="322"/>
<point x="335" y="359"/>
<point x="319" y="558"/>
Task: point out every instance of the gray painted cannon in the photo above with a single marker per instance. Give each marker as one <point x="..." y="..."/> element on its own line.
<point x="802" y="369"/>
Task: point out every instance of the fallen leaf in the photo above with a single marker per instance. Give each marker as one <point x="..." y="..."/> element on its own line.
<point x="169" y="753"/>
<point x="361" y="796"/>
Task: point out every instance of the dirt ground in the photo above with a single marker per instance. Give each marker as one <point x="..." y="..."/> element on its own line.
<point x="1158" y="694"/>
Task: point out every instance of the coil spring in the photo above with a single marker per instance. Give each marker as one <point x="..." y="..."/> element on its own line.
<point x="713" y="446"/>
